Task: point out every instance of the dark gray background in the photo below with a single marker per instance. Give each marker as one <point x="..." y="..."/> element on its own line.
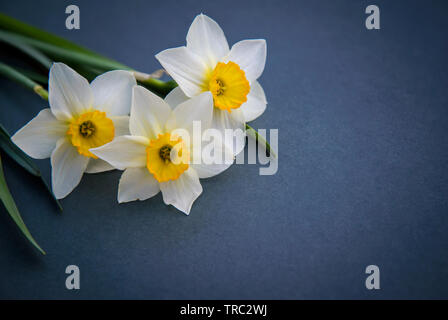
<point x="362" y="118"/>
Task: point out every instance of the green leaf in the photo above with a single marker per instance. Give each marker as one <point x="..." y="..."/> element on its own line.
<point x="60" y="49"/>
<point x="10" y="24"/>
<point x="28" y="50"/>
<point x="58" y="53"/>
<point x="37" y="77"/>
<point x="16" y="154"/>
<point x="261" y="141"/>
<point x="23" y="160"/>
<point x="10" y="205"/>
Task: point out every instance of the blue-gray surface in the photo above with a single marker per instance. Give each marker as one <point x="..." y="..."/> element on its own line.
<point x="363" y="170"/>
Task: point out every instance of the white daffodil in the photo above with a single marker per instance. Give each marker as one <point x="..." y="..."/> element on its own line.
<point x="207" y="64"/>
<point x="156" y="157"/>
<point x="81" y="116"/>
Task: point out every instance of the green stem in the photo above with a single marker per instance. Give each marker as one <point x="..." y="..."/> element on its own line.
<point x="56" y="52"/>
<point x="37" y="77"/>
<point x="64" y="50"/>
<point x="10" y="24"/>
<point x="13" y="74"/>
<point x="88" y="61"/>
<point x="158" y="86"/>
<point x="27" y="49"/>
<point x="262" y="141"/>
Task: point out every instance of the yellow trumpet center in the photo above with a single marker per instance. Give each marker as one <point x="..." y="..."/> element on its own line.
<point x="90" y="130"/>
<point x="229" y="86"/>
<point x="167" y="157"/>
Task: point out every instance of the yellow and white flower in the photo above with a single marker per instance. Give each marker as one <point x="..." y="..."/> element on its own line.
<point x="157" y="156"/>
<point x="207" y="64"/>
<point x="81" y="116"/>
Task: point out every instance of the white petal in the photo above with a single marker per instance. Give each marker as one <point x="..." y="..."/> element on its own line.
<point x="250" y="55"/>
<point x="206" y="38"/>
<point x="256" y="102"/>
<point x="183" y="191"/>
<point x="98" y="165"/>
<point x="69" y="93"/>
<point x="175" y="97"/>
<point x="121" y="125"/>
<point x="39" y="136"/>
<point x="235" y="139"/>
<point x="137" y="184"/>
<point x="67" y="168"/>
<point x="210" y="170"/>
<point x="186" y="68"/>
<point x="149" y="113"/>
<point x="124" y="152"/>
<point x="112" y="92"/>
<point x="208" y="166"/>
<point x="199" y="108"/>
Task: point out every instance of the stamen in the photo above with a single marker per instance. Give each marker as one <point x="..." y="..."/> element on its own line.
<point x="165" y="153"/>
<point x="87" y="128"/>
<point x="220" y="89"/>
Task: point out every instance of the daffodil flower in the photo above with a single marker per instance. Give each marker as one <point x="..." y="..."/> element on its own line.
<point x="156" y="157"/>
<point x="81" y="116"/>
<point x="207" y="64"/>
